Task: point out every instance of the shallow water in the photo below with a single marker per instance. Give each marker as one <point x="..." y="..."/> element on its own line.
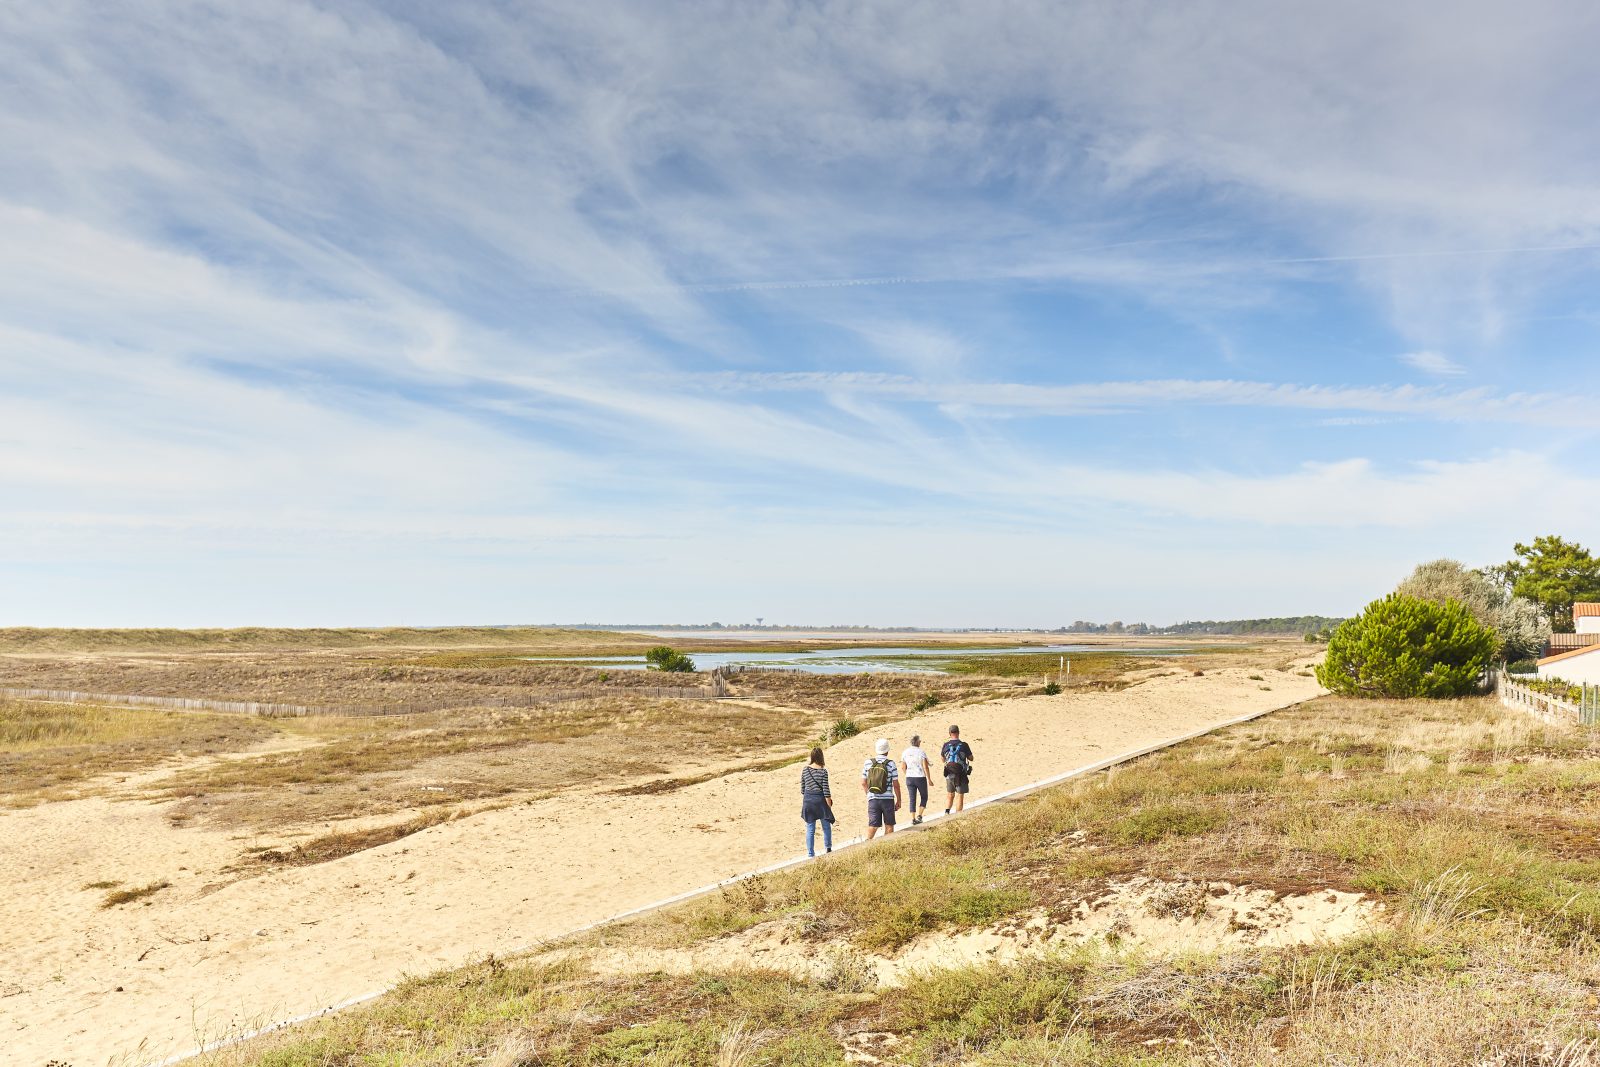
<point x="862" y="660"/>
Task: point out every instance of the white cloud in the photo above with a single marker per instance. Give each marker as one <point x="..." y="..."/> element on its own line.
<point x="1435" y="363"/>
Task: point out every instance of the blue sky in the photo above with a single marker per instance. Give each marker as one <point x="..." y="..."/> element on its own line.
<point x="956" y="314"/>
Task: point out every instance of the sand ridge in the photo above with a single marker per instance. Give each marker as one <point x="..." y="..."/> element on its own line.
<point x="145" y="981"/>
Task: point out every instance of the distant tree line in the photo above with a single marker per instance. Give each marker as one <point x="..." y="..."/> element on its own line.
<point x="1292" y="625"/>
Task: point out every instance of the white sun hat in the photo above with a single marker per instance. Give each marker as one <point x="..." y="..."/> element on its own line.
<point x="883" y="746"/>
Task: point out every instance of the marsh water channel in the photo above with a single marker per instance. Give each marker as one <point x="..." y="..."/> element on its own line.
<point x="868" y="660"/>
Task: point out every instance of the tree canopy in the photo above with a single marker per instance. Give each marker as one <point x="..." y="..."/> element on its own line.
<point x="1553" y="573"/>
<point x="1519" y="626"/>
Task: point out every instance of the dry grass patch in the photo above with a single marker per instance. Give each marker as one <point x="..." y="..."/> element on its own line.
<point x="388" y="765"/>
<point x="46" y="749"/>
<point x="128" y="896"/>
<point x="347" y="842"/>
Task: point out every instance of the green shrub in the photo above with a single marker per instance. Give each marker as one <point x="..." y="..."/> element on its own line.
<point x="1051" y="688"/>
<point x="1523" y="666"/>
<point x="926" y="702"/>
<point x="663" y="658"/>
<point x="1401" y="646"/>
<point x="841" y="730"/>
<point x="1560" y="688"/>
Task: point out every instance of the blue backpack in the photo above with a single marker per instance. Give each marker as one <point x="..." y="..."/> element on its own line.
<point x="953" y="761"/>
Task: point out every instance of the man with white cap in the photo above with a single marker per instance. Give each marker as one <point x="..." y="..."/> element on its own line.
<point x="880" y="780"/>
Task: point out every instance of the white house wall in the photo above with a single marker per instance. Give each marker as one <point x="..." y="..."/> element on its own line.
<point x="1584" y="669"/>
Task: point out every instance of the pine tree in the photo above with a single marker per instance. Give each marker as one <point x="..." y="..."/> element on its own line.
<point x="1401" y="646"/>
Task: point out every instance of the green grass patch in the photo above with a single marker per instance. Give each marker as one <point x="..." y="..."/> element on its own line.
<point x="1163" y="821"/>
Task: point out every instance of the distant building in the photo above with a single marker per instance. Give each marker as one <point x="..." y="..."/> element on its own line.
<point x="1575" y="657"/>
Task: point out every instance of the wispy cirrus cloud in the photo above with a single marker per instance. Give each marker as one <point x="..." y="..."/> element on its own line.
<point x="1435" y="363"/>
<point x="1476" y="405"/>
<point x="475" y="281"/>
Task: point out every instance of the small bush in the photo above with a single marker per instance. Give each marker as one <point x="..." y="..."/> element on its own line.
<point x="1051" y="689"/>
<point x="841" y="730"/>
<point x="665" y="658"/>
<point x="926" y="702"/>
<point x="1523" y="666"/>
<point x="1402" y="646"/>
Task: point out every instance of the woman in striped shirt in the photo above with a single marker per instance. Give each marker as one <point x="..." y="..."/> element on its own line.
<point x="816" y="803"/>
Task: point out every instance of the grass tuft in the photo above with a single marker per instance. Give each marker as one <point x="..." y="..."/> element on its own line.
<point x="127" y="896"/>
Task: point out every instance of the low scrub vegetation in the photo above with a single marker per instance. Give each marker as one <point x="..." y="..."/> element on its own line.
<point x="48" y="750"/>
<point x="1467" y="821"/>
<point x="1571" y="692"/>
<point x="28" y="639"/>
<point x="352" y="765"/>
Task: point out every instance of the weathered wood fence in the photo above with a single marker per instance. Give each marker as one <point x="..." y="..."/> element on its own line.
<point x="1549" y="708"/>
<point x="717" y="688"/>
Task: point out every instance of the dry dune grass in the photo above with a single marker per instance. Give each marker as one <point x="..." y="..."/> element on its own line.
<point x="48" y="749"/>
<point x="1458" y="817"/>
<point x="336" y="677"/>
<point x="381" y="766"/>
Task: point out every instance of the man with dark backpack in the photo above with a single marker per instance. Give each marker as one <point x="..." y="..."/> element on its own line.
<point x="957" y="756"/>
<point x="880" y="780"/>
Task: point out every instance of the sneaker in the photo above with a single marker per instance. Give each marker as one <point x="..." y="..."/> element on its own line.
<point x="947" y="811"/>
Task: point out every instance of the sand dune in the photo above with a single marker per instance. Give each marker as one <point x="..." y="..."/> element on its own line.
<point x="139" y="983"/>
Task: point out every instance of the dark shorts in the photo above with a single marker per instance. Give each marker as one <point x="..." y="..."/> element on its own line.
<point x="880" y="811"/>
<point x="917" y="787"/>
<point x="955" y="782"/>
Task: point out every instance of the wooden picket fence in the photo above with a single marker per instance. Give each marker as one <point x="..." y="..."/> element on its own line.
<point x="1548" y="708"/>
<point x="718" y="688"/>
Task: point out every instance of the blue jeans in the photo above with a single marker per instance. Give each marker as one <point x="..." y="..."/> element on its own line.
<point x="811" y="835"/>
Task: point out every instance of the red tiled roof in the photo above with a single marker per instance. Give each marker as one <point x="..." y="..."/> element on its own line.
<point x="1585" y="609"/>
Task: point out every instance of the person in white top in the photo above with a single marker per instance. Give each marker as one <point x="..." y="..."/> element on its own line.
<point x="914" y="768"/>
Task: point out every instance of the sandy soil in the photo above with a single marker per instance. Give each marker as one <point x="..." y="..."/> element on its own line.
<point x="208" y="957"/>
<point x="1142" y="914"/>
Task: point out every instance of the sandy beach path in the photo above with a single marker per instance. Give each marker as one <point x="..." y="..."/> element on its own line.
<point x="136" y="984"/>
